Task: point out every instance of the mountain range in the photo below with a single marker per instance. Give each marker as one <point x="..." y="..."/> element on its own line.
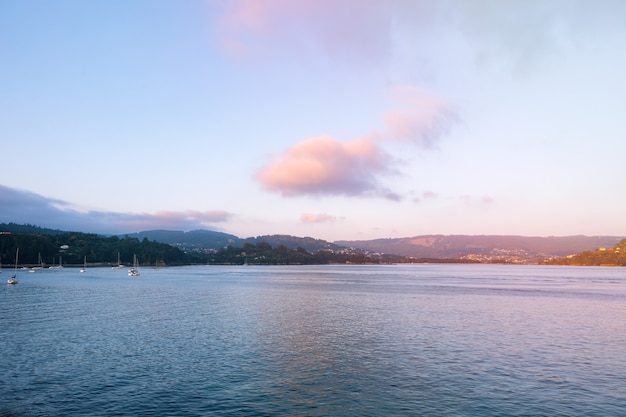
<point x="481" y="248"/>
<point x="484" y="248"/>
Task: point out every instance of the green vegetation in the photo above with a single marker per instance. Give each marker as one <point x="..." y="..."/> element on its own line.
<point x="615" y="256"/>
<point x="263" y="254"/>
<point x="73" y="247"/>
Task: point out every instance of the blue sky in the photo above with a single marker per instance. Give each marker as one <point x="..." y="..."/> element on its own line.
<point x="333" y="119"/>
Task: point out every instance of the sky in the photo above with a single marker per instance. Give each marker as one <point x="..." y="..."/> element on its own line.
<point x="334" y="119"/>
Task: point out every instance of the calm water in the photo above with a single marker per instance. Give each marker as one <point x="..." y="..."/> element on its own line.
<point x="414" y="340"/>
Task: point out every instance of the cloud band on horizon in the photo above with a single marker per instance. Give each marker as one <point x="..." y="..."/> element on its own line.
<point x="21" y="207"/>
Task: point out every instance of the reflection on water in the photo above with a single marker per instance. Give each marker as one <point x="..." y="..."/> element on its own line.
<point x="316" y="340"/>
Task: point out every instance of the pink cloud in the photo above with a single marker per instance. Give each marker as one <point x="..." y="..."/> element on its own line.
<point x="486" y="200"/>
<point x="317" y="218"/>
<point x="482" y="201"/>
<point x="325" y="166"/>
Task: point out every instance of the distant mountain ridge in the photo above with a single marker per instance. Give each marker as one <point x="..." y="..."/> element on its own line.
<point x="478" y="248"/>
<point x="195" y="239"/>
<point x="28" y="229"/>
<point x="485" y="248"/>
<point x="292" y="242"/>
<point x="481" y="248"/>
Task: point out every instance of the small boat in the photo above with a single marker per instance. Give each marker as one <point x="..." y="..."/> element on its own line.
<point x="59" y="266"/>
<point x="84" y="268"/>
<point x="13" y="279"/>
<point x="134" y="271"/>
<point x="39" y="262"/>
<point x="119" y="264"/>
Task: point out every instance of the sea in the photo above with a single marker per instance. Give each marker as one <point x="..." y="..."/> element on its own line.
<point x="331" y="340"/>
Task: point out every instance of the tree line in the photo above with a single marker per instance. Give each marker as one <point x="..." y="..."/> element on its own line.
<point x="263" y="253"/>
<point x="74" y="247"/>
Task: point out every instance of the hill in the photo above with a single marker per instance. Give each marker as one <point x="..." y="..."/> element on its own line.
<point x="486" y="248"/>
<point x="43" y="249"/>
<point x="615" y="256"/>
<point x="28" y="229"/>
<point x="193" y="240"/>
<point x="199" y="240"/>
<point x="292" y="242"/>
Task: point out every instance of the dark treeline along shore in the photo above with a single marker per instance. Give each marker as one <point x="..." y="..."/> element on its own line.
<point x="40" y="247"/>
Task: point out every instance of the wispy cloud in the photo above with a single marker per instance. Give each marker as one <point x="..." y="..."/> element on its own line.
<point x="23" y="207"/>
<point x="347" y="30"/>
<point x="362" y="33"/>
<point x="424" y="196"/>
<point x="318" y="218"/>
<point x="480" y="201"/>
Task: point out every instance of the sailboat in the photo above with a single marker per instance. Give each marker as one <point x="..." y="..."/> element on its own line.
<point x="39" y="262"/>
<point x="13" y="279"/>
<point x="134" y="271"/>
<point x="59" y="266"/>
<point x="119" y="264"/>
<point x="84" y="268"/>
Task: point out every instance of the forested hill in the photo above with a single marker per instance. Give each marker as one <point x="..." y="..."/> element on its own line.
<point x="73" y="247"/>
<point x="308" y="243"/>
<point x="198" y="240"/>
<point x="615" y="256"/>
<point x="192" y="240"/>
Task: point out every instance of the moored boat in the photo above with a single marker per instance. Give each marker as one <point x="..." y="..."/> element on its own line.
<point x="13" y="279"/>
<point x="134" y="271"/>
